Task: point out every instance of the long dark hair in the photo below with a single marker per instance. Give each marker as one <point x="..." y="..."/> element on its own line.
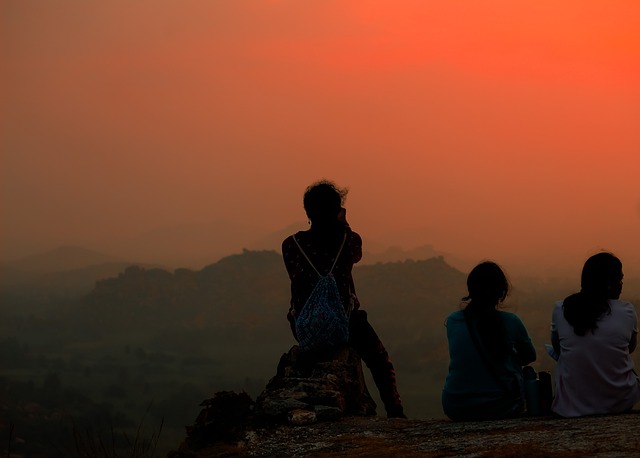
<point x="601" y="280"/>
<point x="488" y="286"/>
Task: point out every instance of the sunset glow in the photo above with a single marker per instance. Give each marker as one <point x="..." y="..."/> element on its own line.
<point x="503" y="130"/>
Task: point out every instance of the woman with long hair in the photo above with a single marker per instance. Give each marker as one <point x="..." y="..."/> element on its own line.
<point x="487" y="349"/>
<point x="594" y="333"/>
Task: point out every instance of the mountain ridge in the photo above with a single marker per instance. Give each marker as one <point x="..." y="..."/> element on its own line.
<point x="61" y="258"/>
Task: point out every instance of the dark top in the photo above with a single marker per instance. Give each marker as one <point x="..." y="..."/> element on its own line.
<point x="470" y="384"/>
<point x="321" y="249"/>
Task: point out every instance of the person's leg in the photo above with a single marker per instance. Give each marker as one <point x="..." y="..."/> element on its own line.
<point x="366" y="342"/>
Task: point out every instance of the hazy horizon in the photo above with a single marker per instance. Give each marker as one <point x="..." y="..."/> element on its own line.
<point x="497" y="130"/>
<point x="147" y="251"/>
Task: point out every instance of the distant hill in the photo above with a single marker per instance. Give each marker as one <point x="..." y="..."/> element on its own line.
<point x="63" y="258"/>
<point x="397" y="254"/>
<point x="65" y="272"/>
<point x="196" y="245"/>
<point x="177" y="336"/>
<point x="191" y="245"/>
<point x="273" y="241"/>
<point x="374" y="251"/>
<point x="248" y="294"/>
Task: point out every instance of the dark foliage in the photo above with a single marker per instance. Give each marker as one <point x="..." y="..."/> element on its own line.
<point x="223" y="418"/>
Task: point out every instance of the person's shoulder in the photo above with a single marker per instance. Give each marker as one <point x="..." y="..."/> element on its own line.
<point x="458" y="315"/>
<point x="622" y="305"/>
<point x="509" y="317"/>
<point x="558" y="306"/>
<point x="289" y="241"/>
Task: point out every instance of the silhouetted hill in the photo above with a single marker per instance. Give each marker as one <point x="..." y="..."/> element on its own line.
<point x="60" y="259"/>
<point x="68" y="283"/>
<point x="66" y="273"/>
<point x="273" y="241"/>
<point x="406" y="294"/>
<point x="376" y="251"/>
<point x="252" y="289"/>
<point x="177" y="337"/>
<point x="398" y="254"/>
<point x="190" y="245"/>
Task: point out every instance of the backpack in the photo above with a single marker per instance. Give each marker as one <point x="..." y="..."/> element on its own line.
<point x="323" y="321"/>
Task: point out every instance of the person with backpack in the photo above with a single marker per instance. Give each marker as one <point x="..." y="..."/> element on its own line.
<point x="324" y="310"/>
<point x="487" y="351"/>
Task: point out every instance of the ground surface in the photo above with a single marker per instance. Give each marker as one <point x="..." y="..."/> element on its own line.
<point x="606" y="436"/>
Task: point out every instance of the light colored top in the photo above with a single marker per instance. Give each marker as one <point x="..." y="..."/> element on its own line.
<point x="595" y="373"/>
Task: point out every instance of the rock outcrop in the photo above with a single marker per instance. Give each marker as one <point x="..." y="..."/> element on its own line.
<point x="612" y="436"/>
<point x="224" y="418"/>
<point x="286" y="421"/>
<point x="307" y="388"/>
<point x="316" y="386"/>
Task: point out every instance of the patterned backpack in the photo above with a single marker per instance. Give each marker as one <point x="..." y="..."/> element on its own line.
<point x="323" y="321"/>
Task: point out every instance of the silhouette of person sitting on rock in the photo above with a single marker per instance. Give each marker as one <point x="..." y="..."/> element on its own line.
<point x="323" y="203"/>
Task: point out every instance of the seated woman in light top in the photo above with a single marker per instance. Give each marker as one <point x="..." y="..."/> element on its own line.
<point x="594" y="332"/>
<point x="487" y="349"/>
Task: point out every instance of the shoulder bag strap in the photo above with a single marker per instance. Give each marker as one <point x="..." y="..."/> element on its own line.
<point x="483" y="356"/>
<point x="309" y="260"/>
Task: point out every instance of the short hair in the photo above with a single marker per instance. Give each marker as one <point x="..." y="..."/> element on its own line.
<point x="323" y="200"/>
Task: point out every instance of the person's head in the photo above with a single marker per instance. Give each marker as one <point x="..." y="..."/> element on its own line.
<point x="323" y="202"/>
<point x="602" y="276"/>
<point x="487" y="285"/>
<point x="601" y="280"/>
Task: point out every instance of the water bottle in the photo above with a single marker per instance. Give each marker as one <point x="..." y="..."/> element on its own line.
<point x="546" y="394"/>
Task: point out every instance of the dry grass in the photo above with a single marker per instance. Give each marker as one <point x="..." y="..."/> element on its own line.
<point x="90" y="444"/>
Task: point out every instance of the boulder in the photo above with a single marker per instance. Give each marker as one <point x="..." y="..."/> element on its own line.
<point x="316" y="386"/>
<point x="224" y="418"/>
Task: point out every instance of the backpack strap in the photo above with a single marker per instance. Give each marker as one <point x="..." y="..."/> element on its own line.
<point x="344" y="239"/>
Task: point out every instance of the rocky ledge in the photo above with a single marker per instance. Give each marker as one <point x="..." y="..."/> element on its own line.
<point x="318" y="405"/>
<point x="605" y="436"/>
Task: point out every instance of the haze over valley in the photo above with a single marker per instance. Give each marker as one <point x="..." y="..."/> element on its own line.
<point x="154" y="156"/>
<point x="105" y="344"/>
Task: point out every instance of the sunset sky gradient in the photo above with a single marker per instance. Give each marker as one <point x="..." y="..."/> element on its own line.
<point x="495" y="129"/>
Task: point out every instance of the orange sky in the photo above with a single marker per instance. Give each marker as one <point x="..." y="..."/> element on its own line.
<point x="496" y="129"/>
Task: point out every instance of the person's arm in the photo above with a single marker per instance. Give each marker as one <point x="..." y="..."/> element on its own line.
<point x="288" y="263"/>
<point x="634" y="330"/>
<point x="286" y="253"/>
<point x="342" y="216"/>
<point x="555" y="337"/>
<point x="555" y="341"/>
<point x="526" y="352"/>
<point x="356" y="246"/>
<point x="633" y="342"/>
